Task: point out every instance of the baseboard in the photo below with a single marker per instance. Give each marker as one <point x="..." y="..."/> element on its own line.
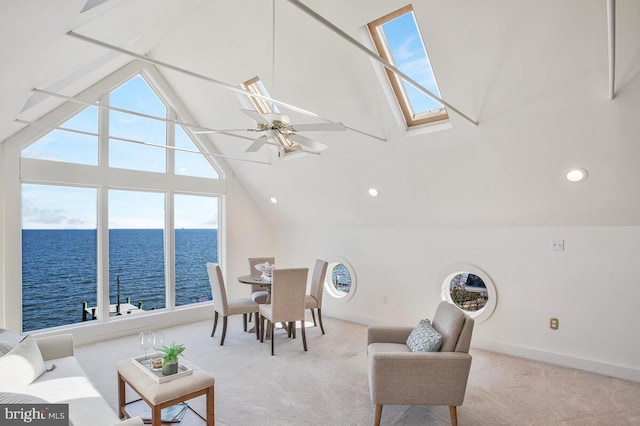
<point x="612" y="370"/>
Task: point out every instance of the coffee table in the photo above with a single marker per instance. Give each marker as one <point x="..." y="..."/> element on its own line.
<point x="161" y="395"/>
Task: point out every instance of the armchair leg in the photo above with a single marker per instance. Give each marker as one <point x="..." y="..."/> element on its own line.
<point x="215" y="323"/>
<point x="378" y="415"/>
<point x="453" y="412"/>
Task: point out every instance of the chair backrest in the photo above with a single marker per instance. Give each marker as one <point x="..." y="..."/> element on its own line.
<point x="455" y="327"/>
<point x="253" y="261"/>
<point x="218" y="291"/>
<point x="317" y="280"/>
<point x="288" y="291"/>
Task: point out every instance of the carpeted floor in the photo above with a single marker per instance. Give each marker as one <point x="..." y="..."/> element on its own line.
<point x="328" y="384"/>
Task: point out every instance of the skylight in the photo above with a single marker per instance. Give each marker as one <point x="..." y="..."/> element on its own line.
<point x="397" y="39"/>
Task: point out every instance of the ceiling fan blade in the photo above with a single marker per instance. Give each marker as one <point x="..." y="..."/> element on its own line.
<point x="195" y="132"/>
<point x="257" y="144"/>
<point x="257" y="117"/>
<point x="319" y="127"/>
<point x="307" y="142"/>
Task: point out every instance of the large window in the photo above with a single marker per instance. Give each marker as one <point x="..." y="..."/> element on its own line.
<point x="58" y="255"/>
<point x="106" y="230"/>
<point x="398" y="40"/>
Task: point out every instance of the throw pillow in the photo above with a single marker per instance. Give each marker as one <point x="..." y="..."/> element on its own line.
<point x="22" y="365"/>
<point x="424" y="338"/>
<point x="8" y="340"/>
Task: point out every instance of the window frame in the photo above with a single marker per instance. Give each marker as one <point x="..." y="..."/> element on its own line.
<point x="395" y="81"/>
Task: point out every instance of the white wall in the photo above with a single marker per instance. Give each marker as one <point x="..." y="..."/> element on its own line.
<point x="592" y="286"/>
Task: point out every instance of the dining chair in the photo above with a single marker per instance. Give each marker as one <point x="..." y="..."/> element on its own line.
<point x="226" y="307"/>
<point x="314" y="299"/>
<point x="259" y="294"/>
<point x="288" y="291"/>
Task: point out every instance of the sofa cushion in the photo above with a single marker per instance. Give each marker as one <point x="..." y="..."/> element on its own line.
<point x="68" y="383"/>
<point x="424" y="338"/>
<point x="20" y="398"/>
<point x="8" y="341"/>
<point x="21" y="365"/>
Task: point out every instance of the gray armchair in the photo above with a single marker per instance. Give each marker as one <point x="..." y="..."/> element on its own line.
<point x="400" y="377"/>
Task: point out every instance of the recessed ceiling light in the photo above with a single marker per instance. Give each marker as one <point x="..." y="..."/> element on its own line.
<point x="274" y="200"/>
<point x="373" y="192"/>
<point x="577" y="175"/>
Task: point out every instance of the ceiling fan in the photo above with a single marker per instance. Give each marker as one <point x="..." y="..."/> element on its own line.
<point x="279" y="131"/>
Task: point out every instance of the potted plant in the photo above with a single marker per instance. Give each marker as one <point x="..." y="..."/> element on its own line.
<point x="170" y="356"/>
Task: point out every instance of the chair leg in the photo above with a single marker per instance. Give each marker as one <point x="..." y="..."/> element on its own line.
<point x="244" y="322"/>
<point x="224" y="329"/>
<point x="215" y="323"/>
<point x="304" y="335"/>
<point x="314" y="317"/>
<point x="273" y="336"/>
<point x="453" y="412"/>
<point x="261" y="328"/>
<point x="320" y="320"/>
<point x="378" y="415"/>
<point x="250" y="317"/>
<point x="257" y="327"/>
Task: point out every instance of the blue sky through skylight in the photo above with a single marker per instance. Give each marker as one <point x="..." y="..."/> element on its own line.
<point x="409" y="55"/>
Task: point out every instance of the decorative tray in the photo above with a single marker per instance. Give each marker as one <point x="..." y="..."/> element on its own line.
<point x="184" y="369"/>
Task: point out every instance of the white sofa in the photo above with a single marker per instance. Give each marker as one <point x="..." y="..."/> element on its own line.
<point x="67" y="383"/>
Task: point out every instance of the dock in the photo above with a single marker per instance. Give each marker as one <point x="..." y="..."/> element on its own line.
<point x="91" y="312"/>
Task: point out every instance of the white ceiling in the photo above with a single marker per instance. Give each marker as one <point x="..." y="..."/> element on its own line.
<point x="534" y="74"/>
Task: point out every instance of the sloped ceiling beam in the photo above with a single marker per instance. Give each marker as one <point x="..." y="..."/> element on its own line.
<point x="611" y="25"/>
<point x="377" y="58"/>
<point x="210" y="80"/>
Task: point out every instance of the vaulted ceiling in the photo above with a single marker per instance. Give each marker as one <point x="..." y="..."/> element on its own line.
<point x="534" y="74"/>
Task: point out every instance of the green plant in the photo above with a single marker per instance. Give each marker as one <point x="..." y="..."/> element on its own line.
<point x="171" y="353"/>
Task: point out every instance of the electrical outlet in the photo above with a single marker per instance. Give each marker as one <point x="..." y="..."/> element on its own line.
<point x="554" y="323"/>
<point x="556" y="245"/>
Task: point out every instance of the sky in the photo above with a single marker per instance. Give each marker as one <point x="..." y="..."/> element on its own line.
<point x="58" y="207"/>
<point x="410" y="56"/>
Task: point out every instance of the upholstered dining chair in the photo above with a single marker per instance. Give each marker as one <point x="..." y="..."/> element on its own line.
<point x="226" y="307"/>
<point x="399" y="376"/>
<point x="288" y="290"/>
<point x="259" y="294"/>
<point x="314" y="299"/>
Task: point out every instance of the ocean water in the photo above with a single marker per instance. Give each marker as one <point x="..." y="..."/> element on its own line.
<point x="59" y="271"/>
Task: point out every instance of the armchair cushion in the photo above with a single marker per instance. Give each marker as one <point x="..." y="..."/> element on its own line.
<point x="424" y="338"/>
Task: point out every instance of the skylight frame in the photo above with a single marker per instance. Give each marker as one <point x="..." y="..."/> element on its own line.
<point x="381" y="44"/>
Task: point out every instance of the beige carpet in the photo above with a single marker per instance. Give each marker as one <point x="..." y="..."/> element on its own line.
<point x="328" y="384"/>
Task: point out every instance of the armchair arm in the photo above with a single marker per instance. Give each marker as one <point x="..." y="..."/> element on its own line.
<point x="418" y="378"/>
<point x="384" y="334"/>
<point x="58" y="346"/>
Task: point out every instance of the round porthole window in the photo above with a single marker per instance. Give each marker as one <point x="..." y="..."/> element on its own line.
<point x="340" y="281"/>
<point x="470" y="289"/>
